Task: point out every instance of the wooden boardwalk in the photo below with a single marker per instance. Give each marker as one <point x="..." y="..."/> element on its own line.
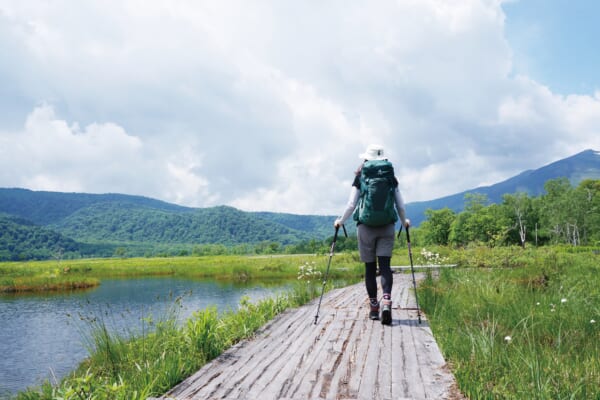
<point x="344" y="356"/>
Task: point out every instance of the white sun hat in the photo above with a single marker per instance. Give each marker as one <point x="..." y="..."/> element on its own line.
<point x="373" y="152"/>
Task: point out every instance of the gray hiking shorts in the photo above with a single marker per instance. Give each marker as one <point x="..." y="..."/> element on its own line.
<point x="375" y="241"/>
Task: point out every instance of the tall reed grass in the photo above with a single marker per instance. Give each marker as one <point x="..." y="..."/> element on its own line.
<point x="519" y="324"/>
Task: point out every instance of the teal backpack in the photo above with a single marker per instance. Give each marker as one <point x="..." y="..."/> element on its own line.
<point x="376" y="205"/>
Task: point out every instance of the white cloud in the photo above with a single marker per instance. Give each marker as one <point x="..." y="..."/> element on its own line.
<point x="50" y="154"/>
<point x="184" y="185"/>
<point x="265" y="105"/>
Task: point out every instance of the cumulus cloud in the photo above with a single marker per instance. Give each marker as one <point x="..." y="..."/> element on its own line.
<point x="51" y="154"/>
<point x="48" y="153"/>
<point x="266" y="105"/>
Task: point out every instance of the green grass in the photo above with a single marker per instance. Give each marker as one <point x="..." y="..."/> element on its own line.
<point x="521" y="324"/>
<point x="73" y="274"/>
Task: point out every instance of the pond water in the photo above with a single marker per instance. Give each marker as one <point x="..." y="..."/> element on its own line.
<point x="43" y="336"/>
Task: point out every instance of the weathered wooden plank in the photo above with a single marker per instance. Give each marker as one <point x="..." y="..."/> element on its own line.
<point x="413" y="372"/>
<point x="302" y="381"/>
<point x="261" y="369"/>
<point x="309" y="371"/>
<point x="283" y="368"/>
<point x="431" y="364"/>
<point x="344" y="356"/>
<point x="343" y="375"/>
<point x="336" y="351"/>
<point x="399" y="382"/>
<point x="370" y="370"/>
<point x="386" y="351"/>
<point x="314" y="374"/>
<point x="232" y="366"/>
<point x="402" y="298"/>
<point x="360" y="350"/>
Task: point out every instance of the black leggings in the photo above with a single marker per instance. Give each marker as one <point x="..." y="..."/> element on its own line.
<point x="386" y="276"/>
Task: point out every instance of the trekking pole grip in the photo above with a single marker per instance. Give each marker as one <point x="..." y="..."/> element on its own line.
<point x="335" y="235"/>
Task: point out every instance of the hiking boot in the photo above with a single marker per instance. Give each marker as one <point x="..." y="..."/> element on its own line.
<point x="386" y="312"/>
<point x="374" y="313"/>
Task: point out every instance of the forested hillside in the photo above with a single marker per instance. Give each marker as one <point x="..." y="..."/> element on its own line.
<point x="125" y="222"/>
<point x="316" y="225"/>
<point x="43" y="208"/>
<point x="22" y="240"/>
<point x="84" y="225"/>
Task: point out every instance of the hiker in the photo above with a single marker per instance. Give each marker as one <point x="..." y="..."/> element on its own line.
<point x="376" y="203"/>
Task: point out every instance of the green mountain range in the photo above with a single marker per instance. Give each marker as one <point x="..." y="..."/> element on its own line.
<point x="38" y="224"/>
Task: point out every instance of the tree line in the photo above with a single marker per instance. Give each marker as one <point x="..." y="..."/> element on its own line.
<point x="563" y="215"/>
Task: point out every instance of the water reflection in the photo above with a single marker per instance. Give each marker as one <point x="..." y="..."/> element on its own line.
<point x="42" y="336"/>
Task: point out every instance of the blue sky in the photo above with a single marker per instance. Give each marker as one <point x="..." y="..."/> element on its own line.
<point x="556" y="43"/>
<point x="265" y="105"/>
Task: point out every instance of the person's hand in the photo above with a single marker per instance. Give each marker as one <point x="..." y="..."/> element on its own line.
<point x="407" y="223"/>
<point x="337" y="223"/>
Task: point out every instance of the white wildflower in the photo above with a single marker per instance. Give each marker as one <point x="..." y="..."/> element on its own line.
<point x="592" y="321"/>
<point x="507" y="339"/>
<point x="563" y="300"/>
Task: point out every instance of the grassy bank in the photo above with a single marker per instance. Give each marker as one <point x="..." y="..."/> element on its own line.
<point x="72" y="274"/>
<point x="519" y="324"/>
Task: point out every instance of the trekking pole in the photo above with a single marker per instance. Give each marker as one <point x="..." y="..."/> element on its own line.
<point x="413" y="271"/>
<point x="337" y="228"/>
